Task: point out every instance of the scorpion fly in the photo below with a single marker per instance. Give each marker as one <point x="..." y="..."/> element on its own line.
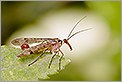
<point x="51" y="45"/>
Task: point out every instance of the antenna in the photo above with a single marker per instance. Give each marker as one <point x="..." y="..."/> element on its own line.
<point x="75" y="26"/>
<point x="78" y="32"/>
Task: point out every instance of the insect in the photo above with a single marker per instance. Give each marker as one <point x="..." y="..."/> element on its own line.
<point x="51" y="45"/>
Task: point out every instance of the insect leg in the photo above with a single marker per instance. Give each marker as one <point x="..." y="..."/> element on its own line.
<point x="60" y="59"/>
<point x="37" y="58"/>
<point x="51" y="60"/>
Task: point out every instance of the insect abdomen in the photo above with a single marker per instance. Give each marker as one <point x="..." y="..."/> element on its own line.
<point x="34" y="49"/>
<point x="39" y="48"/>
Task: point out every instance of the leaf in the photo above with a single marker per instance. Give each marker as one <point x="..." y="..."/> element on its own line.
<point x="14" y="68"/>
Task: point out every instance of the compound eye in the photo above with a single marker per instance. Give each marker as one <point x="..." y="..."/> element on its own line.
<point x="59" y="40"/>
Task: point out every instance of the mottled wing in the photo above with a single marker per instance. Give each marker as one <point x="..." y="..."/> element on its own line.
<point x="20" y="41"/>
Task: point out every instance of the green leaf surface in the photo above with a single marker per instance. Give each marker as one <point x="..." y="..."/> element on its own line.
<point x="14" y="68"/>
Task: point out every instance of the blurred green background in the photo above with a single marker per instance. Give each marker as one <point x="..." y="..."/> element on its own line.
<point x="96" y="53"/>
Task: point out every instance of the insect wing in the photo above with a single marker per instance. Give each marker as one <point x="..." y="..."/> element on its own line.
<point x="20" y="41"/>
